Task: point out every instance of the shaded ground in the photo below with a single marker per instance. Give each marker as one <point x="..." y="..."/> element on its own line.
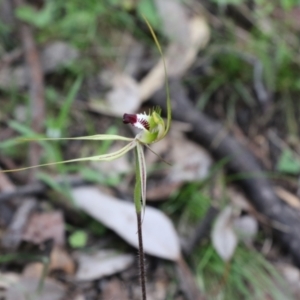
<point x="230" y="196"/>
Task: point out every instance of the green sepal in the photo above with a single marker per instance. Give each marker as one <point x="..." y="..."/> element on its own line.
<point x="97" y="137"/>
<point x="104" y="157"/>
<point x="169" y="108"/>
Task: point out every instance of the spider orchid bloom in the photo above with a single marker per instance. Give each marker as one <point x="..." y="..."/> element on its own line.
<point x="152" y="127"/>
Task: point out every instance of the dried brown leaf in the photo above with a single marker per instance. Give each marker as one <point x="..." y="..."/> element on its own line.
<point x="160" y="237"/>
<point x="288" y="197"/>
<point x="100" y="264"/>
<point x="26" y="289"/>
<point x="188" y="163"/>
<point x="246" y="227"/>
<point x="114" y="289"/>
<point x="123" y="97"/>
<point x="44" y="226"/>
<point x="178" y="58"/>
<point x="61" y="260"/>
<point x="7" y="279"/>
<point x="224" y="238"/>
<point x="175" y="20"/>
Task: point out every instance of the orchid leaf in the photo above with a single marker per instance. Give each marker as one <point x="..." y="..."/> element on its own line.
<point x="169" y="109"/>
<point x="104" y="157"/>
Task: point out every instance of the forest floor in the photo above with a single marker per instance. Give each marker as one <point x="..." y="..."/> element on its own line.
<point x="222" y="219"/>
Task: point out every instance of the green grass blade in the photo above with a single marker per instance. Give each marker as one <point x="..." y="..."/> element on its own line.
<point x="169" y="109"/>
<point x="104" y="157"/>
<point x="65" y="109"/>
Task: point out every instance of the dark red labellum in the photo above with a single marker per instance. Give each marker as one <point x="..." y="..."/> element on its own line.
<point x="129" y="119"/>
<point x="145" y="124"/>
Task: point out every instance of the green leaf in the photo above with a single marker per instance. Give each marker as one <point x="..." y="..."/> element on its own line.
<point x="39" y="18"/>
<point x="61" y="121"/>
<point x="146" y="9"/>
<point x="51" y="151"/>
<point x="97" y="228"/>
<point x="98" y="177"/>
<point x="105" y="145"/>
<point x="288" y="163"/>
<point x="78" y="239"/>
<point x="289" y="4"/>
<point x="64" y="189"/>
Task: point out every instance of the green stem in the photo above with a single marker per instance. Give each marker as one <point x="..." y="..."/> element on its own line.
<point x="141" y="257"/>
<point x="138" y="208"/>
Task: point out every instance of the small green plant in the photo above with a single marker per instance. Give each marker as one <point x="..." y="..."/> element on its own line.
<point x="78" y="239"/>
<point x="250" y="275"/>
<point x="153" y="130"/>
<point x="57" y="125"/>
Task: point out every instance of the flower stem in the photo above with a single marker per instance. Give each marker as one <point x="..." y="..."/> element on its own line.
<point x="141" y="257"/>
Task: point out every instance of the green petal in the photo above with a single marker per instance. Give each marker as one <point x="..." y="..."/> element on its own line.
<point x="96" y="137"/>
<point x="104" y="157"/>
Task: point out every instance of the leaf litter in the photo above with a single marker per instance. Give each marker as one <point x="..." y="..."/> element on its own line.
<point x="100" y="264"/>
<point x="223" y="236"/>
<point x="187" y="164"/>
<point x="160" y="237"/>
<point x="241" y="220"/>
<point x="123" y="96"/>
<point x="44" y="226"/>
<point x="26" y="288"/>
<point x="199" y="34"/>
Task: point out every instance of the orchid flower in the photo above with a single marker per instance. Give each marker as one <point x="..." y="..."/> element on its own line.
<point x="153" y="129"/>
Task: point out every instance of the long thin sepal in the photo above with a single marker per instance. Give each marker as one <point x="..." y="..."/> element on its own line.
<point x="97" y="137"/>
<point x="142" y="172"/>
<point x="104" y="157"/>
<point x="157" y="155"/>
<point x="169" y="109"/>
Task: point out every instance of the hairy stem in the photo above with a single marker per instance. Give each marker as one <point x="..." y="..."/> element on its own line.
<point x="141" y="257"/>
